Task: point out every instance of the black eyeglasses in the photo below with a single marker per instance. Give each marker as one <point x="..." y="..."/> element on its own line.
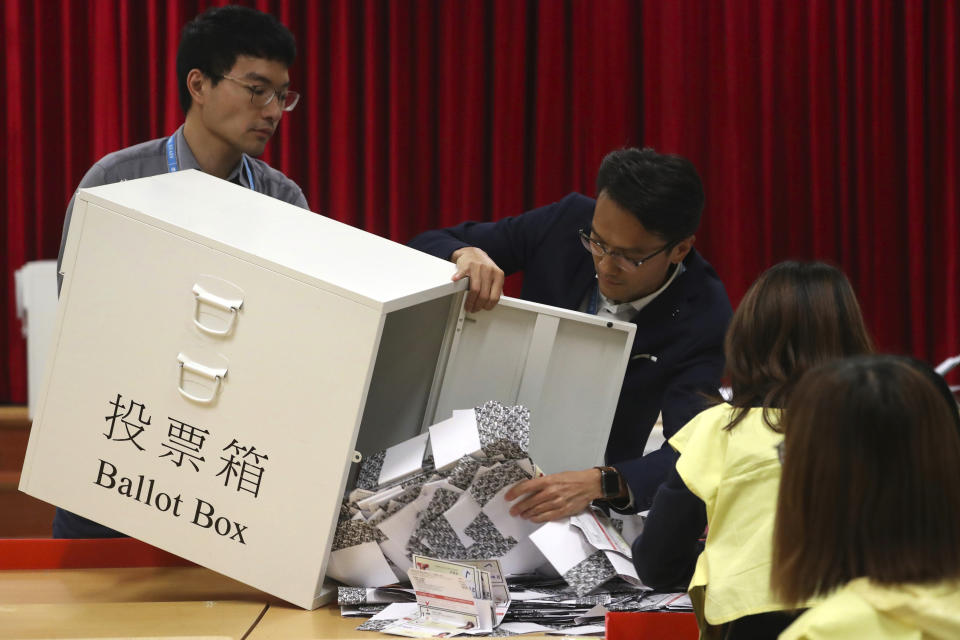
<point x="599" y="249"/>
<point x="261" y="96"/>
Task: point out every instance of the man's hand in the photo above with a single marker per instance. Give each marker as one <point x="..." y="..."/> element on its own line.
<point x="486" y="278"/>
<point x="555" y="496"/>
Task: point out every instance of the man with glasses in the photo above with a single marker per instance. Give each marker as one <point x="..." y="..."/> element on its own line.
<point x="234" y="87"/>
<point x="627" y="255"/>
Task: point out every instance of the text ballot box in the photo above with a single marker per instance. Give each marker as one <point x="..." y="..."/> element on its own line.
<point x="221" y="357"/>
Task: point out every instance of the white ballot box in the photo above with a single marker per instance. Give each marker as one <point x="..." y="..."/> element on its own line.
<point x="221" y="359"/>
<point x="36" y="285"/>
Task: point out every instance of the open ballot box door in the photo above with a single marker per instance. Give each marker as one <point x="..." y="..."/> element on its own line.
<point x="221" y="359"/>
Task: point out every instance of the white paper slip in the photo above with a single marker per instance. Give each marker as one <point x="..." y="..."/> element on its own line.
<point x="371" y="503"/>
<point x="656" y="601"/>
<point x="562" y="544"/>
<point x="397" y="611"/>
<point x="359" y="494"/>
<point x="444" y="592"/>
<point x="469" y="573"/>
<point x="499" y="590"/>
<point x="681" y="602"/>
<point x="523" y="627"/>
<point x="624" y="568"/>
<point x="461" y="514"/>
<point x="532" y="627"/>
<point x="398" y="527"/>
<point x="598" y="611"/>
<point x="465" y="415"/>
<point x="362" y="565"/>
<point x="404" y="459"/>
<point x="524" y="557"/>
<point x="387" y="595"/>
<point x="424" y="627"/>
<point x="585" y="630"/>
<point x="498" y="586"/>
<point x="488" y="577"/>
<point x="600" y="533"/>
<point x="448" y="597"/>
<point x="529" y="595"/>
<point x="632" y="526"/>
<point x="454" y="438"/>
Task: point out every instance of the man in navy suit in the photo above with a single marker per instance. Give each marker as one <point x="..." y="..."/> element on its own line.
<point x="627" y="255"/>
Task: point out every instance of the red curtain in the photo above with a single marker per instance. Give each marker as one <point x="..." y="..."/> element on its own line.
<point x="823" y="129"/>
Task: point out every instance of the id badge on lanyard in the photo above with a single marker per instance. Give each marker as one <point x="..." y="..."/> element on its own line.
<point x="172" y="164"/>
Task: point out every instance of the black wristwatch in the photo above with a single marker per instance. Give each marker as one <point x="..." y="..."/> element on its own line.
<point x="609" y="482"/>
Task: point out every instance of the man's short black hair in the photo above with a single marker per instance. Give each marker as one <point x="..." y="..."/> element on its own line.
<point x="663" y="191"/>
<point x="212" y="41"/>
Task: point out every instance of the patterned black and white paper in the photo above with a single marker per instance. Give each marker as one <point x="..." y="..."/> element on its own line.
<point x="442" y="500"/>
<point x="369" y="475"/>
<point x="503" y="430"/>
<point x="443" y="541"/>
<point x="489" y="542"/>
<point x="398" y="502"/>
<point x="350" y="533"/>
<point x="432" y="537"/>
<point x="375" y="625"/>
<point x="590" y="573"/>
<point x="463" y="472"/>
<point x="351" y="595"/>
<point x="489" y="484"/>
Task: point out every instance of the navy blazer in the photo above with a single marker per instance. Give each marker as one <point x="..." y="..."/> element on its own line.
<point x="682" y="328"/>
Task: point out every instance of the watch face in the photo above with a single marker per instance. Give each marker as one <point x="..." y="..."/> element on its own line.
<point x="610" y="481"/>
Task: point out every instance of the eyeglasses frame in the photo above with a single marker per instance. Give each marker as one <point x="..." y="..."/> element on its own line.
<point x="252" y="88"/>
<point x="623" y="261"/>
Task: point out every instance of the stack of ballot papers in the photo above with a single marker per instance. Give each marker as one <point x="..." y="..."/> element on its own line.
<point x="544" y="607"/>
<point x="451" y="598"/>
<point x="431" y="512"/>
<point x="442" y="495"/>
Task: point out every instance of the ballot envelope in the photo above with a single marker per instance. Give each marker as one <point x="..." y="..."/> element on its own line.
<point x="222" y="360"/>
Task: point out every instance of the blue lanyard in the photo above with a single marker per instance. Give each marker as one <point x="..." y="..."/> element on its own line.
<point x="172" y="165"/>
<point x="594" y="300"/>
<point x="171" y="156"/>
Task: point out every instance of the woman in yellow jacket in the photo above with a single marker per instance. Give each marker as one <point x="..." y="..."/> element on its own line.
<point x="794" y="317"/>
<point x="869" y="508"/>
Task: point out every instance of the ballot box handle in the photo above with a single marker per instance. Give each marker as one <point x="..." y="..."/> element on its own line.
<point x="202" y="296"/>
<point x="211" y="373"/>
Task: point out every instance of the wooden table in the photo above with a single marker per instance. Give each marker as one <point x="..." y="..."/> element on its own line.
<point x="136" y="598"/>
<point x="156" y="602"/>
<point x="124" y="588"/>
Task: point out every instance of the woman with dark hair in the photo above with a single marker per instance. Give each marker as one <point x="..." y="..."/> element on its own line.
<point x="794" y="317"/>
<point x="869" y="505"/>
